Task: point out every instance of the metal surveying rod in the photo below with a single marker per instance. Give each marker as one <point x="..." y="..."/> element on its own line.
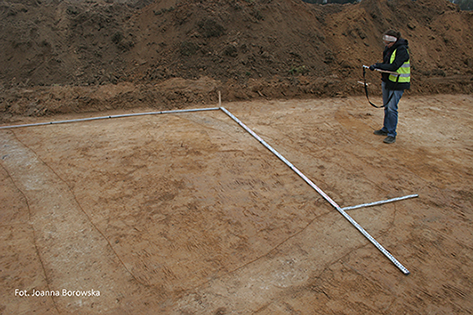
<point x="383" y="71"/>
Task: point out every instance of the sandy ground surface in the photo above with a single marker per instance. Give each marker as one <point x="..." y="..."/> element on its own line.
<point x="188" y="214"/>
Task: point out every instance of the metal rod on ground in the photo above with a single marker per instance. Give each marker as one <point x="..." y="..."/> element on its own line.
<point x="379" y="202"/>
<point x="111" y="116"/>
<point x="324" y="195"/>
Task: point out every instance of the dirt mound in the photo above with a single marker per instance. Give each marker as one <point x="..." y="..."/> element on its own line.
<point x="264" y="48"/>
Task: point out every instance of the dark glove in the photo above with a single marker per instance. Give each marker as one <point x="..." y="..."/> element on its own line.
<point x="372" y="67"/>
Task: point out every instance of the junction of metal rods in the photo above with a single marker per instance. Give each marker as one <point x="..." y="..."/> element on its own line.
<point x="342" y="211"/>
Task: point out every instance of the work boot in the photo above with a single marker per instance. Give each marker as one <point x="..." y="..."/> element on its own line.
<point x="380" y="132"/>
<point x="389" y="139"/>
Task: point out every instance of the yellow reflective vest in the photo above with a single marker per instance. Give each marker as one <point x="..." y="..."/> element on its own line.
<point x="404" y="71"/>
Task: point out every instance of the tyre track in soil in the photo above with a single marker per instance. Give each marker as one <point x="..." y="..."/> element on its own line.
<point x="329" y="267"/>
<point x="65" y="240"/>
<point x="16" y="222"/>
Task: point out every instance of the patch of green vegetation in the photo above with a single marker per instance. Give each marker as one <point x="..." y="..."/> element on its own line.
<point x="299" y="70"/>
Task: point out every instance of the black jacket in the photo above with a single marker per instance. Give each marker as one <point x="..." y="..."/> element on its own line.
<point x="402" y="55"/>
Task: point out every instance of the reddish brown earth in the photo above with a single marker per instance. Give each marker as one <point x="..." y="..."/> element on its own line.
<point x="58" y="56"/>
<point x="187" y="213"/>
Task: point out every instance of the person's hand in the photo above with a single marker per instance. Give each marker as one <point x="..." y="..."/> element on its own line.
<point x="372" y="67"/>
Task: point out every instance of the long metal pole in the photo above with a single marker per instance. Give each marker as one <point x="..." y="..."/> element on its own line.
<point x="380" y="202"/>
<point x="307" y="180"/>
<point x="324" y="195"/>
<point x="112" y="116"/>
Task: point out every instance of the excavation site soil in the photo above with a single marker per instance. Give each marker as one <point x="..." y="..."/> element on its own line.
<point x="133" y="188"/>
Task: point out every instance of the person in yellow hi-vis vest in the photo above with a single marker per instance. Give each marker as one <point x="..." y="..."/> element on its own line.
<point x="395" y="59"/>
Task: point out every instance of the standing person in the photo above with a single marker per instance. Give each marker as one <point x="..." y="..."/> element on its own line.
<point x="395" y="59"/>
